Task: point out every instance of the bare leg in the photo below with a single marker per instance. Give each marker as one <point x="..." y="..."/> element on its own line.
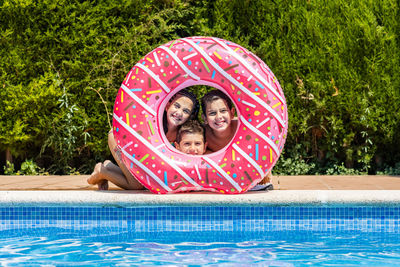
<point x="98" y="178"/>
<point x="107" y="171"/>
<point x="101" y="175"/>
<point x="133" y="183"/>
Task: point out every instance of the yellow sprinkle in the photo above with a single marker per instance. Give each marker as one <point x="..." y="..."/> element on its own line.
<point x="233" y="155"/>
<point x="133" y="77"/>
<point x="270" y="155"/>
<point x="237" y="48"/>
<point x="218" y="56"/>
<point x="233" y="87"/>
<point x="256" y="113"/>
<point x="149" y="59"/>
<point x="153" y="92"/>
<point x="122" y="96"/>
<point x="277" y="104"/>
<point x="256" y="93"/>
<point x="127" y="118"/>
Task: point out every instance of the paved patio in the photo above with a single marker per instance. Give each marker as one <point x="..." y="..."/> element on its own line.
<point x="78" y="182"/>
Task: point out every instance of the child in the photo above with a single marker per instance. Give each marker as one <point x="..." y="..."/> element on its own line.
<point x="190" y="138"/>
<point x="180" y="108"/>
<point x="220" y="124"/>
<point x="219" y="119"/>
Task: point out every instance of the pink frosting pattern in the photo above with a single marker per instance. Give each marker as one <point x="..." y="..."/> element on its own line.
<point x="247" y="80"/>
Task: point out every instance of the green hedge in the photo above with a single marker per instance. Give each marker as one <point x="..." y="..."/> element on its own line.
<point x="337" y="61"/>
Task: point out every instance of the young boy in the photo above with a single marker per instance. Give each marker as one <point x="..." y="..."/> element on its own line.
<point x="190" y="138"/>
<point x="220" y="124"/>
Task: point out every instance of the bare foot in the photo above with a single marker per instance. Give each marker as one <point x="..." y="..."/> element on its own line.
<point x="103" y="185"/>
<point x="97" y="178"/>
<point x="106" y="162"/>
<point x="94" y="177"/>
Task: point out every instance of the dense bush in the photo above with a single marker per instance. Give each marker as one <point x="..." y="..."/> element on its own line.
<point x="61" y="64"/>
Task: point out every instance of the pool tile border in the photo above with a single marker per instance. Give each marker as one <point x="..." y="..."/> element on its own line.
<point x="255" y="199"/>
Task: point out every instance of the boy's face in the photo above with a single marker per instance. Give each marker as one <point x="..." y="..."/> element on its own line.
<point x="192" y="143"/>
<point x="219" y="116"/>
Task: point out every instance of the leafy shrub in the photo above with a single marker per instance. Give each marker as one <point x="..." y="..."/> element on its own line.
<point x="28" y="167"/>
<point x="337" y="61"/>
<point x="391" y="170"/>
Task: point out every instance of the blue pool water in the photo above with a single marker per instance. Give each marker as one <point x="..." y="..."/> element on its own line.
<point x="223" y="236"/>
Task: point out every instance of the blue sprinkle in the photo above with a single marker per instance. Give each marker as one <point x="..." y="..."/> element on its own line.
<point x="198" y="42"/>
<point x="230" y="62"/>
<point x="144" y="62"/>
<point x="136" y="89"/>
<point x="131" y="165"/>
<point x="117" y="130"/>
<point x="239" y="99"/>
<point x="208" y="166"/>
<point x="165" y="178"/>
<point x="249" y="120"/>
<point x="190" y="49"/>
<point x="133" y="155"/>
<point x="256" y="89"/>
<point x="213" y="75"/>
<point x="259" y="84"/>
<point x="234" y="175"/>
<point x="189" y="62"/>
<point x="167" y="56"/>
<point x="256" y="151"/>
<point x="219" y="175"/>
<point x="133" y="106"/>
<point x="251" y="154"/>
<point x="163" y="150"/>
<point x="272" y="137"/>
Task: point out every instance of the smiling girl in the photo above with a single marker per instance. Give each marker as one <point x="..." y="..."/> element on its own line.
<point x="181" y="107"/>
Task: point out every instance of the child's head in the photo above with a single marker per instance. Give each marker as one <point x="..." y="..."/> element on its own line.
<point x="191" y="138"/>
<point x="218" y="110"/>
<point x="181" y="107"/>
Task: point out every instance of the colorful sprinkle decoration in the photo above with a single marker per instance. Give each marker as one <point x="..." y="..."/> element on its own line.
<point x="260" y="107"/>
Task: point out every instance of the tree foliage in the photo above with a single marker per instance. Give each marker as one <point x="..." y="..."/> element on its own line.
<point x="61" y="64"/>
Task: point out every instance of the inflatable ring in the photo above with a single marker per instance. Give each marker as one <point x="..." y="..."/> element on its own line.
<point x="247" y="80"/>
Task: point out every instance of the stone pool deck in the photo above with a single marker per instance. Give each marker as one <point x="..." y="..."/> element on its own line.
<point x="289" y="190"/>
<point x="312" y="182"/>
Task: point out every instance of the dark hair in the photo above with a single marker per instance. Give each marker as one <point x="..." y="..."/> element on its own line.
<point x="195" y="109"/>
<point x="213" y="96"/>
<point x="190" y="126"/>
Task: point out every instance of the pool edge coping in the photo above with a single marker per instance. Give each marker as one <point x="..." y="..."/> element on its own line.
<point x="254" y="199"/>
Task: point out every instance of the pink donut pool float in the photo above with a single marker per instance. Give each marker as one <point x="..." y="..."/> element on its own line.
<point x="258" y="98"/>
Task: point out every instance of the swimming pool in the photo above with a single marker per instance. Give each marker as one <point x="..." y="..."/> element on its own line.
<point x="276" y="235"/>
